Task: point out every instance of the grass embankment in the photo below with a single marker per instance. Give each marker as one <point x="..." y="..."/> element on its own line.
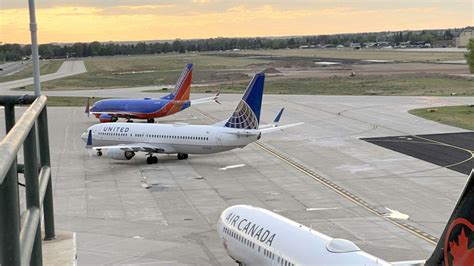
<point x="70" y="101"/>
<point x="46" y="67"/>
<point x="371" y="85"/>
<point x="364" y="54"/>
<point x="458" y="116"/>
<point x="135" y="71"/>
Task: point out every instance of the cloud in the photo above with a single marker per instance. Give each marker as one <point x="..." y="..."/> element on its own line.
<point x="171" y="19"/>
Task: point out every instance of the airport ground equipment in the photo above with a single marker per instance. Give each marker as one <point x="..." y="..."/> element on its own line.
<point x="22" y="245"/>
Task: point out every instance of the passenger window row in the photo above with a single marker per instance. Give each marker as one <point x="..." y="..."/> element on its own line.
<point x="154" y="136"/>
<point x="113" y="134"/>
<point x="251" y="244"/>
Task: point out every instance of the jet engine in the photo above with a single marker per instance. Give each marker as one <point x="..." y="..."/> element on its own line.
<point x="118" y="154"/>
<point x="105" y="118"/>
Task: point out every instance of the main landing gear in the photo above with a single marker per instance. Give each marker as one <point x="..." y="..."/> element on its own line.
<point x="151" y="159"/>
<point x="182" y="156"/>
<point x="99" y="153"/>
<point x="150" y="120"/>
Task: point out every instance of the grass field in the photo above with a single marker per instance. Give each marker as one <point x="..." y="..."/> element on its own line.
<point x="364" y="54"/>
<point x="46" y="67"/>
<point x="148" y="70"/>
<point x="373" y="85"/>
<point x="125" y="71"/>
<point x="458" y="116"/>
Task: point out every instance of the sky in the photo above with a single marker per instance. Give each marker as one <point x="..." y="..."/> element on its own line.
<point x="134" y="20"/>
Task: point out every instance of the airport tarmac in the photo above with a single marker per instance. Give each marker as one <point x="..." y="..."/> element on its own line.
<point x="131" y="212"/>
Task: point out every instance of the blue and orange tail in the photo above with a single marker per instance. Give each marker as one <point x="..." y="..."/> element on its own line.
<point x="182" y="88"/>
<point x="247" y="113"/>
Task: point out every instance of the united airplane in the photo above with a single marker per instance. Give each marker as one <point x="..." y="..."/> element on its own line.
<point x="255" y="236"/>
<point x="110" y="110"/>
<point x="122" y="141"/>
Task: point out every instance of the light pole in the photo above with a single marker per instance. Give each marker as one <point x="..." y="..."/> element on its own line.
<point x="34" y="48"/>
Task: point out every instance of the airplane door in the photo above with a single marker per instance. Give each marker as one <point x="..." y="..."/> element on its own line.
<point x="219" y="139"/>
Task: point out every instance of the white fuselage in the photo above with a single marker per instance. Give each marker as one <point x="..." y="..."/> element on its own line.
<point x="172" y="138"/>
<point x="255" y="236"/>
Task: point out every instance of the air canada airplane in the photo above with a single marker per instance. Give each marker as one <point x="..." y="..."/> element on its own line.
<point x="121" y="141"/>
<point x="109" y="110"/>
<point x="255" y="236"/>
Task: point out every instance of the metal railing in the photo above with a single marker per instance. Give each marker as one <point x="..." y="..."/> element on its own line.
<point x="21" y="244"/>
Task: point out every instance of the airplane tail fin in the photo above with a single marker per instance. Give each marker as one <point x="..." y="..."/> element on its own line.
<point x="87" y="111"/>
<point x="456" y="244"/>
<point x="89" y="140"/>
<point x="182" y="88"/>
<point x="247" y="113"/>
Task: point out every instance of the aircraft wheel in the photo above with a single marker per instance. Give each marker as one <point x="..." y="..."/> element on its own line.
<point x="154" y="159"/>
<point x="182" y="156"/>
<point x="99" y="153"/>
<point x="185" y="156"/>
<point x="149" y="160"/>
<point x="150" y="120"/>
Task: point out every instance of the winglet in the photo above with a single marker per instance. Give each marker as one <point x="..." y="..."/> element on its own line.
<point x="89" y="140"/>
<point x="216" y="97"/>
<point x="277" y="118"/>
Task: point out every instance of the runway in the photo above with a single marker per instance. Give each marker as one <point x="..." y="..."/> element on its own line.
<point x="321" y="174"/>
<point x="68" y="68"/>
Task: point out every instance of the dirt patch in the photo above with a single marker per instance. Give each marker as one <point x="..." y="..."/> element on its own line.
<point x="271" y="70"/>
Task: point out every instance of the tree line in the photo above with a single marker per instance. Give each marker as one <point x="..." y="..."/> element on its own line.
<point x="14" y="52"/>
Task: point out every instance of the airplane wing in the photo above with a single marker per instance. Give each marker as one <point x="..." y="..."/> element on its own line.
<point x="138" y="147"/>
<point x="276" y="128"/>
<point x="112" y="113"/>
<point x="135" y="147"/>
<point x="214" y="98"/>
<point x="244" y="133"/>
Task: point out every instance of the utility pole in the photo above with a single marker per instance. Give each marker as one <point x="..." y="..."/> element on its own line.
<point x="34" y="48"/>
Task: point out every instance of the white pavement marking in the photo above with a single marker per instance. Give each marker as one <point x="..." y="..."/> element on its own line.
<point x="68" y="68"/>
<point x="396" y="214"/>
<point x="322" y="209"/>
<point x="231" y="167"/>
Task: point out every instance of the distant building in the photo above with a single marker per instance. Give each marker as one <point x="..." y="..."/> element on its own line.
<point x="464" y="37"/>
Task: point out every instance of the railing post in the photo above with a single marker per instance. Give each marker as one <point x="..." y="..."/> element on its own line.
<point x="32" y="191"/>
<point x="9" y="206"/>
<point x="48" y="207"/>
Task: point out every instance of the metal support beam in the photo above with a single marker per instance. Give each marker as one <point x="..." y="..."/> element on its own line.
<point x="27" y="242"/>
<point x="32" y="194"/>
<point x="9" y="206"/>
<point x="11" y="143"/>
<point x="48" y="208"/>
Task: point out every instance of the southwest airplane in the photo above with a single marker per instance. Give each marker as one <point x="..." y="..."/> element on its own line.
<point x="255" y="236"/>
<point x="110" y="110"/>
<point x="122" y="140"/>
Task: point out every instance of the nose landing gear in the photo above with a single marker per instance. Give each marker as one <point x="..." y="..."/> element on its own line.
<point x="182" y="156"/>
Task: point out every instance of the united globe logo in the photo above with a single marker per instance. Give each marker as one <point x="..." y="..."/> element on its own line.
<point x="243" y="117"/>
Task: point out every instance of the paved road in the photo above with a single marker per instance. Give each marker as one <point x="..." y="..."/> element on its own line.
<point x="11" y="67"/>
<point x="68" y="68"/>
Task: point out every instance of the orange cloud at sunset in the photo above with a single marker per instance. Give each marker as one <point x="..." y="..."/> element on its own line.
<point x="170" y="21"/>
